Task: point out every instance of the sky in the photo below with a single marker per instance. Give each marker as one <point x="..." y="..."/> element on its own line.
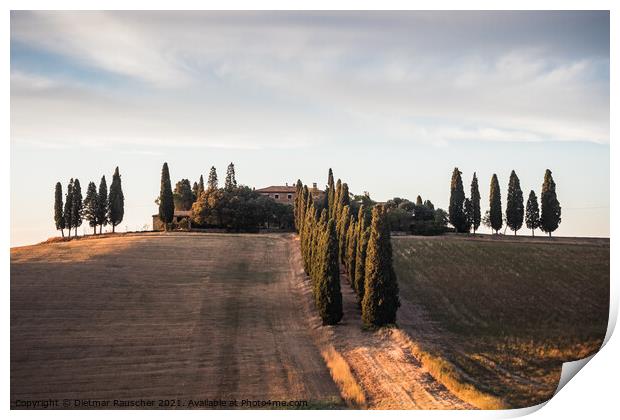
<point x="392" y="101"/>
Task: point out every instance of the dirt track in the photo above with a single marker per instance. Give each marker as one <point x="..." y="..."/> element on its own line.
<point x="162" y="317"/>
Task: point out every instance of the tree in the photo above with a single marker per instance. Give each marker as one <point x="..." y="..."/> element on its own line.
<point x="341" y="230"/>
<point x="495" y="205"/>
<point x="76" y="206"/>
<point x="475" y="204"/>
<point x="212" y="180"/>
<point x="381" y="300"/>
<point x="59" y="219"/>
<point x="102" y="204"/>
<point x="457" y="197"/>
<point x="357" y="282"/>
<point x="91" y="206"/>
<point x="182" y="195"/>
<point x="116" y="201"/>
<point x="166" y="198"/>
<point x="336" y="210"/>
<point x="418" y="201"/>
<point x="201" y="185"/>
<point x="68" y="207"/>
<point x="352" y="236"/>
<point x="550" y="210"/>
<point x="514" y="204"/>
<point x="297" y="206"/>
<point x="468" y="211"/>
<point x="328" y="294"/>
<point x="231" y="182"/>
<point x="330" y="193"/>
<point x="532" y="215"/>
<point x="195" y="191"/>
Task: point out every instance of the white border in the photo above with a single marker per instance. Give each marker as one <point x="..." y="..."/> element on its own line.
<point x="592" y="394"/>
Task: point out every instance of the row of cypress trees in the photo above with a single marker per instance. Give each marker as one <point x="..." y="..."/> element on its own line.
<point x="99" y="207"/>
<point x="330" y="235"/>
<point x="464" y="213"/>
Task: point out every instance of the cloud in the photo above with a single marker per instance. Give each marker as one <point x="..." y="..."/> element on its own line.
<point x="270" y="80"/>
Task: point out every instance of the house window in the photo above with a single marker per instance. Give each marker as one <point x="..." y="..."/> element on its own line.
<point x="289" y="196"/>
<point x="277" y="196"/>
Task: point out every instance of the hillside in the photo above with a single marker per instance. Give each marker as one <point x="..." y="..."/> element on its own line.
<point x="176" y="316"/>
<point x="504" y="313"/>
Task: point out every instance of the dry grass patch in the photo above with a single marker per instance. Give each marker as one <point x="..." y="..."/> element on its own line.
<point x="351" y="391"/>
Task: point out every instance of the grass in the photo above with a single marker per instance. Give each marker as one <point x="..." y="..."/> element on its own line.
<point x="341" y="373"/>
<point x="512" y="311"/>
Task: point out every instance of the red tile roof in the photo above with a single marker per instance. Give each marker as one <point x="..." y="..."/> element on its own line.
<point x="278" y="189"/>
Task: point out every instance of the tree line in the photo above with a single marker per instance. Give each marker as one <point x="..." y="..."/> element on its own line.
<point x="233" y="207"/>
<point x="99" y="207"/>
<point x="332" y="234"/>
<point x="464" y="213"/>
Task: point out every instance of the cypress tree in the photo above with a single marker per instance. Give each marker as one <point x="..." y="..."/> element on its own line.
<point x="457" y="198"/>
<point x="381" y="300"/>
<point x="475" y="204"/>
<point x="296" y="204"/>
<point x="352" y="250"/>
<point x="360" y="262"/>
<point x="59" y="219"/>
<point x="102" y="204"/>
<point x="330" y="193"/>
<point x="550" y="210"/>
<point x="495" y="205"/>
<point x="532" y="215"/>
<point x="335" y="209"/>
<point x="514" y="204"/>
<point x="328" y="295"/>
<point x="195" y="191"/>
<point x="201" y="185"/>
<point x="166" y="198"/>
<point x="343" y="225"/>
<point x="418" y="201"/>
<point x="468" y="211"/>
<point x="116" y="201"/>
<point x="212" y="180"/>
<point x="230" y="183"/>
<point x="76" y="206"/>
<point x="91" y="206"/>
<point x="68" y="206"/>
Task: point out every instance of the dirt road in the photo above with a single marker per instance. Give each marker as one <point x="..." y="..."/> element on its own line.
<point x="162" y="317"/>
<point x="381" y="362"/>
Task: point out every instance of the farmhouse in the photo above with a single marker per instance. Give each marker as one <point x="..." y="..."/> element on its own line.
<point x="286" y="193"/>
<point x="179" y="215"/>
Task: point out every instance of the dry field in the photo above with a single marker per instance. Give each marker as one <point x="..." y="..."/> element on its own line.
<point x="502" y="314"/>
<point x="483" y="324"/>
<point x="175" y="316"/>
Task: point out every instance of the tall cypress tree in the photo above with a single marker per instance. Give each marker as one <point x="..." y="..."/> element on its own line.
<point x="381" y="300"/>
<point x="495" y="205"/>
<point x="475" y="204"/>
<point x="231" y="182"/>
<point x="550" y="209"/>
<point x="341" y="230"/>
<point x="336" y="210"/>
<point x="328" y="294"/>
<point x="212" y="180"/>
<point x="59" y="219"/>
<point x="418" y="201"/>
<point x="195" y="191"/>
<point x="90" y="206"/>
<point x="532" y="215"/>
<point x="297" y="204"/>
<point x="116" y="201"/>
<point x="166" y="198"/>
<point x="352" y="250"/>
<point x="330" y="193"/>
<point x="457" y="198"/>
<point x="360" y="254"/>
<point x="514" y="204"/>
<point x="201" y="185"/>
<point x="102" y="204"/>
<point x="76" y="206"/>
<point x="68" y="205"/>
